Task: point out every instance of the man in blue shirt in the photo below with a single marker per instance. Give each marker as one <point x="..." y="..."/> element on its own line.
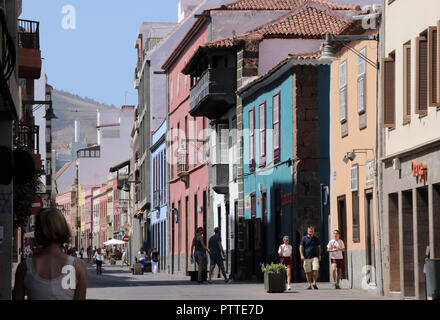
<point x="310" y="251"/>
<point x="216" y="254"/>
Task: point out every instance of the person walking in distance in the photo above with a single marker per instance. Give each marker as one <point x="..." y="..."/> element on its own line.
<point x="336" y="247"/>
<point x="285" y="252"/>
<point x="216" y="254"/>
<point x="200" y="252"/>
<point x="51" y="274"/>
<point x="99" y="260"/>
<point x="154" y="259"/>
<point x="310" y="251"/>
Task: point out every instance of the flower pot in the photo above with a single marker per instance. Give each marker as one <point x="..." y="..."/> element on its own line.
<point x="275" y="282"/>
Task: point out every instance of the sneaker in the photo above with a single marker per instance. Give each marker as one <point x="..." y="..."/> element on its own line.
<point x="337" y="286"/>
<point x="289" y="288"/>
<point x="227" y="280"/>
<point x="315" y="287"/>
<point x="309" y="288"/>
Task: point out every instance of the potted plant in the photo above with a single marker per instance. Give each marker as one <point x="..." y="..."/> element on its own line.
<point x="274" y="277"/>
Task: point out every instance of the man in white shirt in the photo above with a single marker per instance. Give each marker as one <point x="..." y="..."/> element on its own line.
<point x="285" y="252"/>
<point x="336" y="247"/>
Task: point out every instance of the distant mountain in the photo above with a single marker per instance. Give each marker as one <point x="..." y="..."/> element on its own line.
<point x="69" y="107"/>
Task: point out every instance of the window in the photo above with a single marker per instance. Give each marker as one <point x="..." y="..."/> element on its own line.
<point x="171" y="90"/>
<point x="251" y="139"/>
<point x="434" y="70"/>
<point x="172" y="155"/>
<point x="343" y="92"/>
<point x="195" y="141"/>
<point x="355" y="211"/>
<point x="388" y="91"/>
<point x="361" y="84"/>
<point x="253" y="205"/>
<point x="421" y="75"/>
<point x="276" y="118"/>
<point x="178" y="85"/>
<point x="407" y="83"/>
<point x="262" y="130"/>
<point x="222" y="143"/>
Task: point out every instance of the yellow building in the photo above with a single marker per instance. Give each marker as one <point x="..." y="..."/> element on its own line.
<point x="353" y="126"/>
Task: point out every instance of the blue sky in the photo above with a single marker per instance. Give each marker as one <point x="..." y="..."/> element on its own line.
<point x="98" y="58"/>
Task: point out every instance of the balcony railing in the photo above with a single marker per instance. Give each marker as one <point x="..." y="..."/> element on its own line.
<point x="28" y="136"/>
<point x="182" y="166"/>
<point x="214" y="93"/>
<point x="28" y="34"/>
<point x="29" y="54"/>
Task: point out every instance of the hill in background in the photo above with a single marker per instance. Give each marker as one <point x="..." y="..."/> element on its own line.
<point x="68" y="108"/>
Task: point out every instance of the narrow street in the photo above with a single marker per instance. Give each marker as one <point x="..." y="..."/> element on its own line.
<point x="117" y="283"/>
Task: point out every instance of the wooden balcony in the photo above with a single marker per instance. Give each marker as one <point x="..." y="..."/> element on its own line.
<point x="29" y="54"/>
<point x="214" y="93"/>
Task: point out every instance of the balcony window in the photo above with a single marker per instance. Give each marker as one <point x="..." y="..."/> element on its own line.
<point x="262" y="130"/>
<point x="276" y="126"/>
<point x="251" y="139"/>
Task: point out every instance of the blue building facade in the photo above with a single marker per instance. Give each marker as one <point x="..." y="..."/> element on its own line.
<point x="159" y="194"/>
<point x="285" y="158"/>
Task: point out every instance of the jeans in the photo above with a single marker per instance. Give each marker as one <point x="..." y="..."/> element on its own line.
<point x="154" y="266"/>
<point x="98" y="267"/>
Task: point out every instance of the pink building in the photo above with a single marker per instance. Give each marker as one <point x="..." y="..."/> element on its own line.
<point x="188" y="174"/>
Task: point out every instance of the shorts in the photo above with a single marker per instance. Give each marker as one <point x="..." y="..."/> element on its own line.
<point x="216" y="260"/>
<point x="198" y="255"/>
<point x="311" y="264"/>
<point x="339" y="263"/>
<point x="287" y="261"/>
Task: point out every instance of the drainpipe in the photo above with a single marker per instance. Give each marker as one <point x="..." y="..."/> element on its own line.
<point x="378" y="167"/>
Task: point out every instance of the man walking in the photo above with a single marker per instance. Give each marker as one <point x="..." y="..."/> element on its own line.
<point x="216" y="254"/>
<point x="310" y="251"/>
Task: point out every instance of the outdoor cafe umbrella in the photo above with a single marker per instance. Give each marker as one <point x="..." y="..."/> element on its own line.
<point x="113" y="241"/>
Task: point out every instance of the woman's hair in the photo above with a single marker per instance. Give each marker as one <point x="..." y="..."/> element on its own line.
<point x="337" y="231"/>
<point x="51" y="227"/>
<point x="285" y="237"/>
<point x="199" y="229"/>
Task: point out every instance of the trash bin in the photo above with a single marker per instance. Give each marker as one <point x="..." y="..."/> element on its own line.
<point x="432" y="273"/>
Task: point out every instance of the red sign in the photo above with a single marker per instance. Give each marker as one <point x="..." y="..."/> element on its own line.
<point x="286" y="199"/>
<point x="37" y="205"/>
<point x="419" y="170"/>
<point x="126" y="238"/>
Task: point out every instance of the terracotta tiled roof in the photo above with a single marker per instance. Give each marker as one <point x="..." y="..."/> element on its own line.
<point x="222" y="43"/>
<point x="280" y="5"/>
<point x="309" y="21"/>
<point x="313" y="55"/>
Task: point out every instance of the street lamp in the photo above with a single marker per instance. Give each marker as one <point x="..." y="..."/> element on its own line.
<point x="49" y="116"/>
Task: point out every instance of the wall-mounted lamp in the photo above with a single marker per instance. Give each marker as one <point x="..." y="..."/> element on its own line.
<point x="328" y="54"/>
<point x="396" y="164"/>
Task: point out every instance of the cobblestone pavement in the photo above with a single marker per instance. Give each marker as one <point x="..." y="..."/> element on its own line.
<point x="117" y="283"/>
